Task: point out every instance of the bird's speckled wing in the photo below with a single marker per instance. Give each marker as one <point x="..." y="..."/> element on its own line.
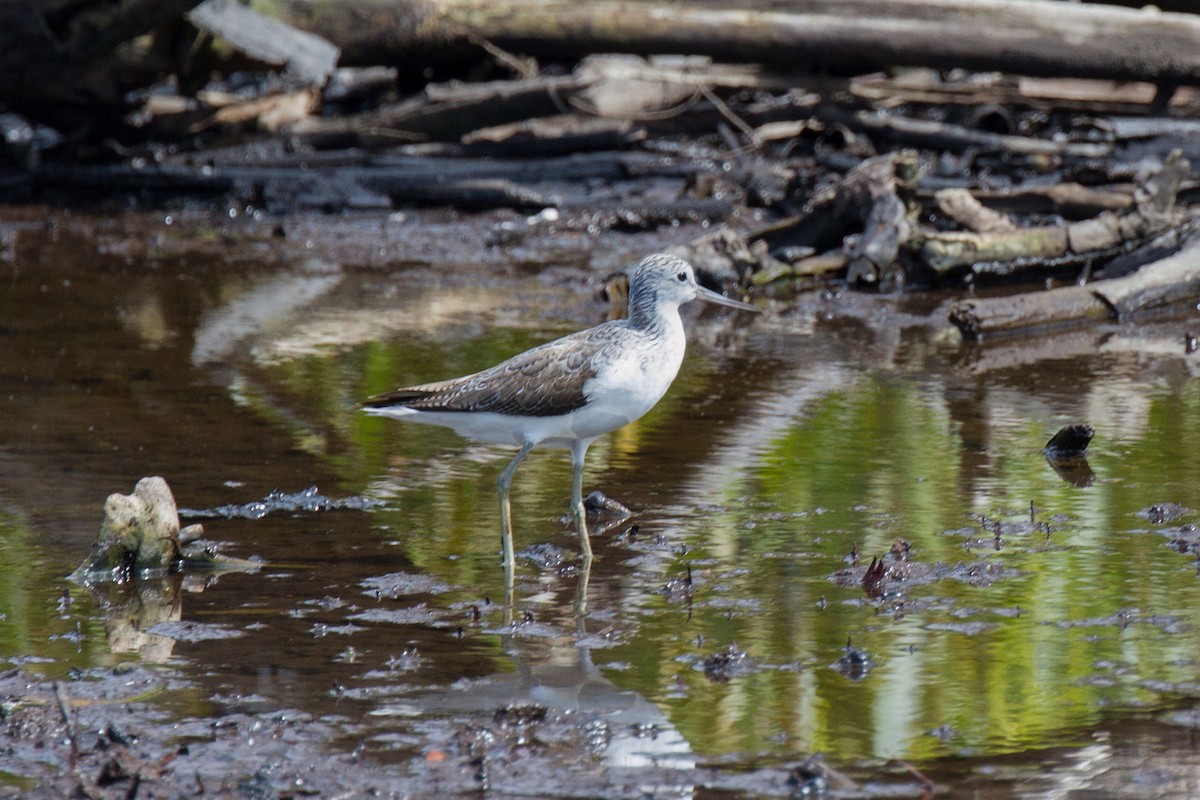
<point x="544" y="381"/>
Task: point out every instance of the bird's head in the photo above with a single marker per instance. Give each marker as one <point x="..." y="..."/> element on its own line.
<point x="665" y="279"/>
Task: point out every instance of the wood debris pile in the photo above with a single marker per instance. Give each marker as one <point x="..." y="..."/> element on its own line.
<point x="880" y="143"/>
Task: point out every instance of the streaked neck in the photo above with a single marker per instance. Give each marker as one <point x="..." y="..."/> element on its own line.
<point x="647" y="313"/>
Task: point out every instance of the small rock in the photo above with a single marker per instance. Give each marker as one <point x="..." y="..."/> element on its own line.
<point x="140" y="529"/>
<point x="1161" y="513"/>
<point x="854" y="664"/>
<point x="725" y="665"/>
<point x="1070" y="442"/>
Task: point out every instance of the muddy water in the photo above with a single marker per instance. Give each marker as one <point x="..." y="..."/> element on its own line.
<point x="1039" y="610"/>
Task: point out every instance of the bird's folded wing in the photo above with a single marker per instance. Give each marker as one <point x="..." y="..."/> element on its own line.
<point x="545" y="381"/>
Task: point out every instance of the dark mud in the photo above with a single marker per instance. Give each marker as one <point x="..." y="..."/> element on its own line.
<point x="92" y="736"/>
<point x="99" y="733"/>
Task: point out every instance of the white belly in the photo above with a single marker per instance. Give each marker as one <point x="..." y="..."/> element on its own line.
<point x="488" y="426"/>
<point x="609" y="411"/>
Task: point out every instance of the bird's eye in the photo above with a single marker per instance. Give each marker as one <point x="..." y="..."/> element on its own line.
<point x="681" y="276"/>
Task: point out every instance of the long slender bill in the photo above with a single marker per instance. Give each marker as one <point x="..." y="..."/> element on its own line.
<point x="709" y="296"/>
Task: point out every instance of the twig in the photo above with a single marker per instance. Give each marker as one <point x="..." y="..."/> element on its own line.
<point x="525" y="67"/>
<point x="64" y="708"/>
<point x="725" y="111"/>
<point x="927" y="784"/>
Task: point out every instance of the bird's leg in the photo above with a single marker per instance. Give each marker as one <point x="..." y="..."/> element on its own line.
<point x="503" y="483"/>
<point x="578" y="453"/>
<point x="581" y="597"/>
<point x="508" y="595"/>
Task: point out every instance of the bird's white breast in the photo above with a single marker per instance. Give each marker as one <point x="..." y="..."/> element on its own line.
<point x="625" y="388"/>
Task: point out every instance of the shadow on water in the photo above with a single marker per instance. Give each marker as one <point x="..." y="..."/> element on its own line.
<point x="1023" y="619"/>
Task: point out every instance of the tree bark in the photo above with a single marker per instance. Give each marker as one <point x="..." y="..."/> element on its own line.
<point x="1031" y="37"/>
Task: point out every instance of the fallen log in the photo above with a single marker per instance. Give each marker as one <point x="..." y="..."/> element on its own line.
<point x="955" y="138"/>
<point x="1024" y="36"/>
<point x="1090" y="96"/>
<point x="335" y="182"/>
<point x="1068" y="199"/>
<point x="1170" y="280"/>
<point x="666" y="93"/>
<point x="443" y="112"/>
<point x="1031" y="311"/>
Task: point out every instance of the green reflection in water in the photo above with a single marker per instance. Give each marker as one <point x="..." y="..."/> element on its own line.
<point x="1099" y="614"/>
<point x="37" y="626"/>
<point x="879" y="461"/>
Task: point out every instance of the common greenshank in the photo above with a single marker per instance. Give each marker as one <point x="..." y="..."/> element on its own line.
<point x="568" y="392"/>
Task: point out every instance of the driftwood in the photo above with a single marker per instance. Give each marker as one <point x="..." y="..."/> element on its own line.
<point x="1170" y="280"/>
<point x="962" y="207"/>
<point x="140" y="533"/>
<point x="873" y="255"/>
<point x="762" y="134"/>
<point x="269" y="113"/>
<point x="139" y="530"/>
<point x="58" y="52"/>
<point x="988" y="94"/>
<point x="873" y="211"/>
<point x="874" y="198"/>
<point x="792" y="259"/>
<point x="629" y="87"/>
<point x="304" y="55"/>
<point x="548" y="136"/>
<point x="1068" y="199"/>
<point x="443" y="112"/>
<point x="978" y="318"/>
<point x="1011" y="248"/>
<point x="340" y="181"/>
<point x="663" y="94"/>
<point x="955" y="138"/>
<point x="1025" y="37"/>
<point x="804" y="268"/>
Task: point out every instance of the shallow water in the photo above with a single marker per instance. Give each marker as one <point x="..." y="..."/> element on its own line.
<point x="787" y="442"/>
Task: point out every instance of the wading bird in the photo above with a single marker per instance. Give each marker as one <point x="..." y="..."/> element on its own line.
<point x="568" y="392"/>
